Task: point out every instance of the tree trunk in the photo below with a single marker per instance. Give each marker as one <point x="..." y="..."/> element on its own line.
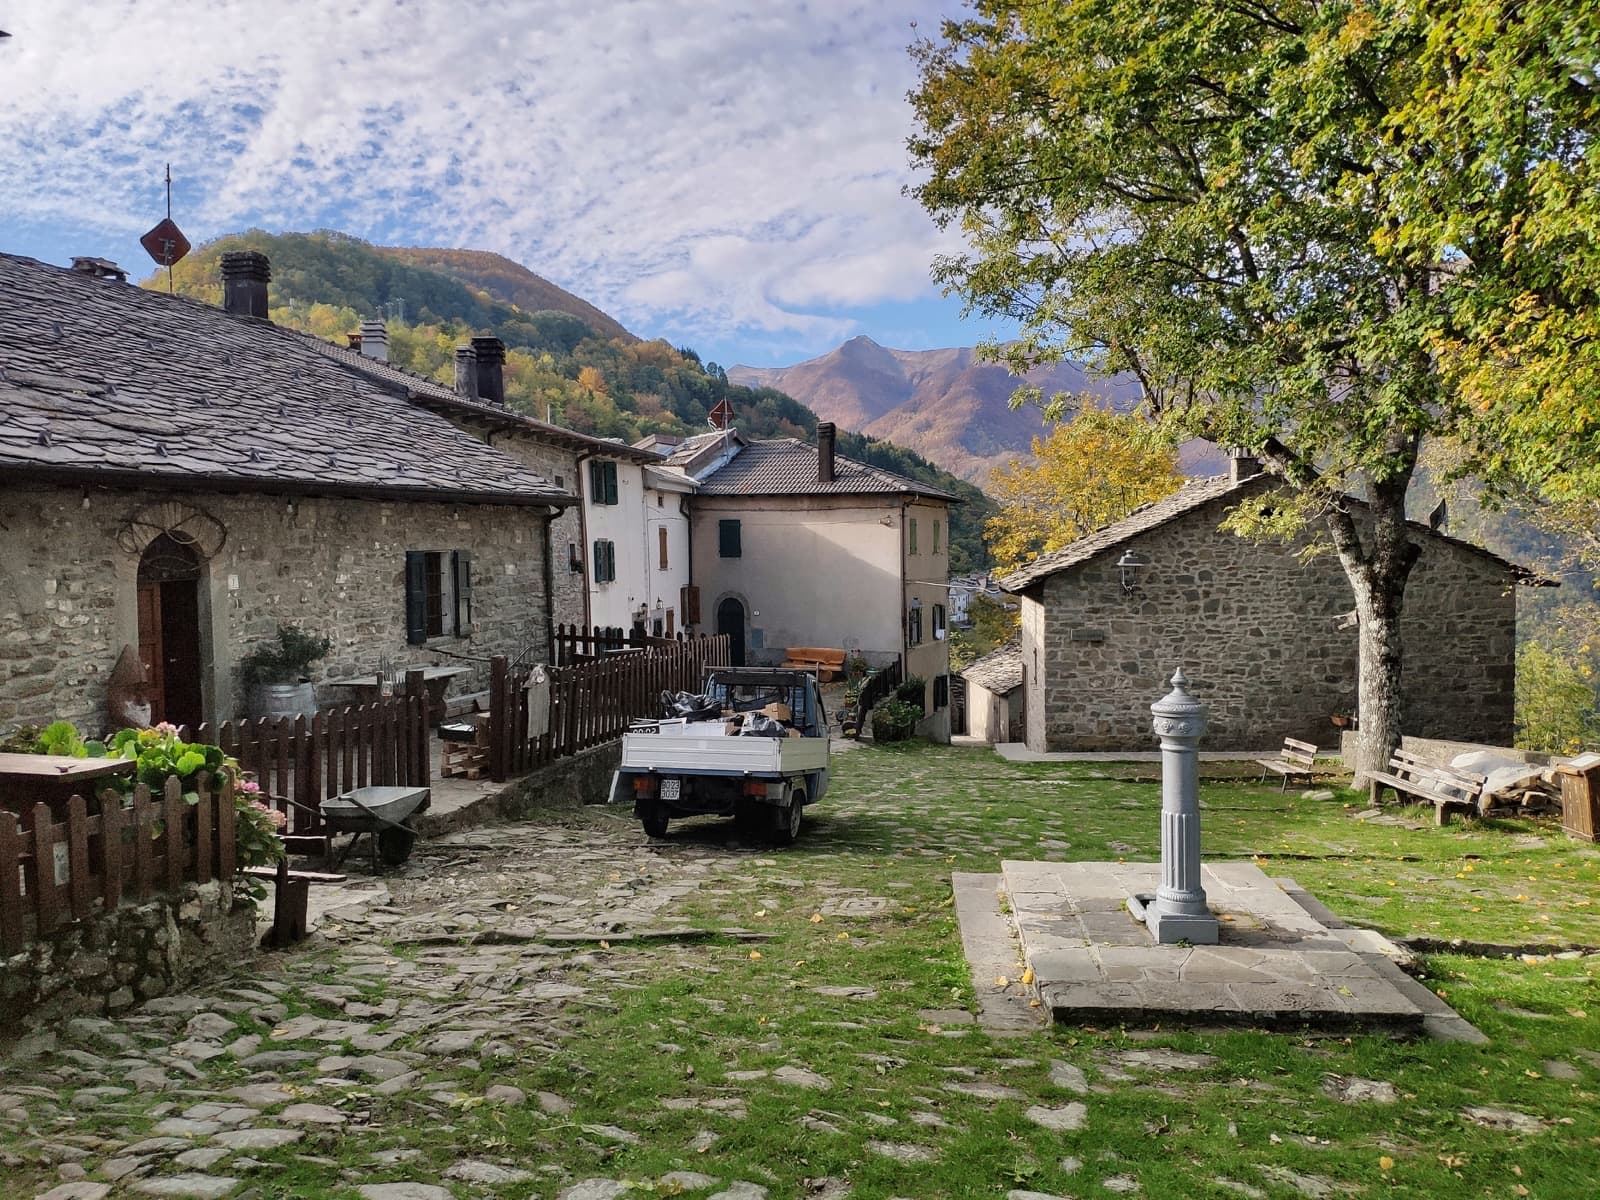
<point x="1379" y="699"/>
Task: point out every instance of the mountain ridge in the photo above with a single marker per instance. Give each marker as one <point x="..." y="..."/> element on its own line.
<point x="947" y="404"/>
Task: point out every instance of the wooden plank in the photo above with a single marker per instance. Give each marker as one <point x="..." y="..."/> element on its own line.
<point x="77" y="832"/>
<point x="226" y="834"/>
<point x="11" y="897"/>
<point x="112" y="823"/>
<point x="205" y="820"/>
<point x="172" y="813"/>
<point x="499" y="717"/>
<point x="41" y="875"/>
<point x="143" y="843"/>
<point x="282" y="737"/>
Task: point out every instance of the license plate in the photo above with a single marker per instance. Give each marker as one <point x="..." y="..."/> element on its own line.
<point x="671" y="789"/>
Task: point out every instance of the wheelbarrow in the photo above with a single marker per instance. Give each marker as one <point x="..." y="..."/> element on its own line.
<point x="380" y="813"/>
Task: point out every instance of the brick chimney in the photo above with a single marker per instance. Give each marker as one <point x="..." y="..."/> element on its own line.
<point x="1242" y="464"/>
<point x="825" y="436"/>
<point x="98" y="268"/>
<point x="245" y="275"/>
<point x="466" y="372"/>
<point x="491" y="352"/>
<point x="375" y="340"/>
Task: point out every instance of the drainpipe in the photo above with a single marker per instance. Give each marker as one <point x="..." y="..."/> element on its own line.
<point x="583" y="534"/>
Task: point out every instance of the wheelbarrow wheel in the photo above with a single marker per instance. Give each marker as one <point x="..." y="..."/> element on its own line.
<point x="394" y="845"/>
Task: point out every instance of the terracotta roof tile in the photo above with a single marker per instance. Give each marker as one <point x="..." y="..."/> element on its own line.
<point x="788" y="467"/>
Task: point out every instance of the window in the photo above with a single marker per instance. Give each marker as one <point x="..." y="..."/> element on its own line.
<point x="914" y="626"/>
<point x="605" y="561"/>
<point x="728" y="539"/>
<point x="661" y="545"/>
<point x="912" y="535"/>
<point x="938" y="622"/>
<point x="941" y="691"/>
<point x="438" y="594"/>
<point x="574" y="559"/>
<point x="938" y="528"/>
<point x="602" y="482"/>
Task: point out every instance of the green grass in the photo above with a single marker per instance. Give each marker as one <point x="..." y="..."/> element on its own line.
<point x="674" y="1020"/>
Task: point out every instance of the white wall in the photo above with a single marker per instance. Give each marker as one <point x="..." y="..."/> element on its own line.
<point x="814" y="571"/>
<point x="622" y="523"/>
<point x="664" y="509"/>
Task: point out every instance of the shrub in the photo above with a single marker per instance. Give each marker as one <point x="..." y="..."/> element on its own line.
<point x="287" y="657"/>
<point x="893" y="720"/>
<point x="912" y="691"/>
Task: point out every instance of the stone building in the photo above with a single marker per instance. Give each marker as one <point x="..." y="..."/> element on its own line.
<point x="183" y="478"/>
<point x="994" y="695"/>
<point x="1267" y="638"/>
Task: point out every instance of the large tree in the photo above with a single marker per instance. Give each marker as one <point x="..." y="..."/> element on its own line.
<point x="1090" y="471"/>
<point x="1193" y="191"/>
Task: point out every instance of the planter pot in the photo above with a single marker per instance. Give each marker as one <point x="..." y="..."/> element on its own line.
<point x="284" y="700"/>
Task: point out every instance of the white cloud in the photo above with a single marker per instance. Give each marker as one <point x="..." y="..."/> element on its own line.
<point x="704" y="167"/>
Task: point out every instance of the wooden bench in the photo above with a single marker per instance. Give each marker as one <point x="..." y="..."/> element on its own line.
<point x="1296" y="758"/>
<point x="828" y="664"/>
<point x="1445" y="788"/>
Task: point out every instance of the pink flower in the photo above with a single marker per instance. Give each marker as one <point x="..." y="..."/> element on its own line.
<point x="167" y="727"/>
<point x="249" y="785"/>
<point x="279" y="820"/>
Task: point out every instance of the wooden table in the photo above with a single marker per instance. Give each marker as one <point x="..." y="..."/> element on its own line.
<point x="368" y="688"/>
<point x="27" y="779"/>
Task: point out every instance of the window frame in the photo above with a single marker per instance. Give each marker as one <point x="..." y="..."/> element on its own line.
<point x="438" y="595"/>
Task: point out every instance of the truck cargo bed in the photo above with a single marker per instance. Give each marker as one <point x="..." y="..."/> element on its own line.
<point x="723" y="755"/>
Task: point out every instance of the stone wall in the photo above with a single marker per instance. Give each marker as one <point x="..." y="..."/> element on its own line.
<point x="1262" y="637"/>
<point x="584" y="778"/>
<point x="68" y="589"/>
<point x="112" y="961"/>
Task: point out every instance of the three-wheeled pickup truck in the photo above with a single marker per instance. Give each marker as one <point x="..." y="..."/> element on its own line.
<point x="758" y="753"/>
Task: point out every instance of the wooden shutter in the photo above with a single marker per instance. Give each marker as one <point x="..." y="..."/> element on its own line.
<point x="463" y="577"/>
<point x="416" y="596"/>
<point x="661" y="539"/>
<point x="598" y="561"/>
<point x="941" y="691"/>
<point x="689" y="603"/>
<point x="597" y="482"/>
<point x="728" y="539"/>
<point x="611" y="484"/>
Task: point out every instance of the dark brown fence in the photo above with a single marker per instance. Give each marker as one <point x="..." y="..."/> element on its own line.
<point x="65" y="862"/>
<point x="590" y="702"/>
<point x="571" y="644"/>
<point x="309" y="759"/>
<point x="876" y="686"/>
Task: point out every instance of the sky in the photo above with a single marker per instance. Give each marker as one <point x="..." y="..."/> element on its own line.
<point x="728" y="174"/>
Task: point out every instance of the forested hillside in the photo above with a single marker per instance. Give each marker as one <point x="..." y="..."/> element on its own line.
<point x="569" y="363"/>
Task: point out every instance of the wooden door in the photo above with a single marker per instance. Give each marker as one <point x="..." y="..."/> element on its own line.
<point x="180" y="643"/>
<point x="730" y="620"/>
<point x="151" y="653"/>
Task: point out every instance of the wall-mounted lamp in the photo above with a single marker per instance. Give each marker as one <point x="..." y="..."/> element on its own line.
<point x="1129" y="566"/>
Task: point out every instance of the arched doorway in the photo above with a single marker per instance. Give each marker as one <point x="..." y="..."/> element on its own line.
<point x="169" y="629"/>
<point x="730" y="620"/>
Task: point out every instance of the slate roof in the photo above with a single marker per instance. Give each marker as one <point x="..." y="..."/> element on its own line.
<point x="1192" y="495"/>
<point x="999" y="671"/>
<point x="105" y="383"/>
<point x="788" y="467"/>
<point x="432" y="394"/>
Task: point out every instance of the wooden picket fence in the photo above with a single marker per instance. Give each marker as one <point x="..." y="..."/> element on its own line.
<point x="591" y="702"/>
<point x="61" y="863"/>
<point x="308" y="760"/>
<point x="571" y="644"/>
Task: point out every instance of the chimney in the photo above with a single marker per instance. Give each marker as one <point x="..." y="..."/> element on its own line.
<point x="98" y="268"/>
<point x="245" y="274"/>
<point x="1242" y="464"/>
<point x="466" y="372"/>
<point x="374" y="340"/>
<point x="825" y="432"/>
<point x="491" y="353"/>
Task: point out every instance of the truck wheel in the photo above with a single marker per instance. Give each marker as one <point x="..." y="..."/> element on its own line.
<point x="654" y="819"/>
<point x="789" y="818"/>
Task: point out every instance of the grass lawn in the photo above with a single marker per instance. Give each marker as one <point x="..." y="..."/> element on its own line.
<point x="822" y="1048"/>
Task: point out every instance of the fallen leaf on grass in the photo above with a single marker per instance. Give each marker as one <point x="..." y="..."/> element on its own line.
<point x="754" y="955"/>
<point x="1027" y="976"/>
<point x="1385" y="1163"/>
<point x="816" y="918"/>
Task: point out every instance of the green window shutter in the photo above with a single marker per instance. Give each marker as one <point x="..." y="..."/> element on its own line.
<point x="913" y="535"/>
<point x="416" y="596"/>
<point x="463" y="578"/>
<point x="611" y="482"/>
<point x="597" y="483"/>
<point x="599" y="561"/>
<point x="611" y="562"/>
<point x="728" y="541"/>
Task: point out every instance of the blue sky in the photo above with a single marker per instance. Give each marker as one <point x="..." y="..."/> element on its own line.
<point x="727" y="175"/>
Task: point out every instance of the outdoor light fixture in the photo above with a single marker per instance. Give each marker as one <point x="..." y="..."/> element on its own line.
<point x="1129" y="566"/>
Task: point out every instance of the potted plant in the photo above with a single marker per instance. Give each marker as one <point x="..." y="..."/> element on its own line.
<point x="275" y="674"/>
<point x="894" y="721"/>
<point x="913" y="690"/>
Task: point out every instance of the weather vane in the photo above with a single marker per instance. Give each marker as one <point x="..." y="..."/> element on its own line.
<point x="166" y="243"/>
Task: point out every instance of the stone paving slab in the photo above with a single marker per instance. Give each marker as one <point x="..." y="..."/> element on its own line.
<point x="1277" y="962"/>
